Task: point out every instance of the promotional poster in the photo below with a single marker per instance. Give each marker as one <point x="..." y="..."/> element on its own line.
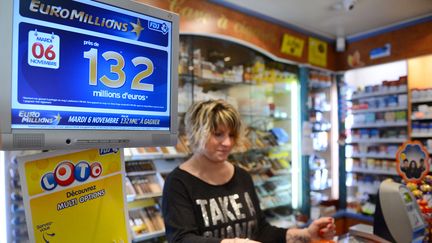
<point x="75" y="196"/>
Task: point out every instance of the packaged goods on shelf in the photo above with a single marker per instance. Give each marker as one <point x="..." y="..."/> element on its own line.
<point x="145" y="220"/>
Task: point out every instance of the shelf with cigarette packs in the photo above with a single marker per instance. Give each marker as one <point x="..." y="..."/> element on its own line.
<point x="376" y="125"/>
<point x="318" y="132"/>
<point x="421" y="117"/>
<point x="145" y="171"/>
<point x="267" y="159"/>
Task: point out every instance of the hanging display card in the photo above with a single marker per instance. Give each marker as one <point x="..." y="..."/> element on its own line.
<point x="317" y="54"/>
<point x="75" y="196"/>
<point x="412" y="161"/>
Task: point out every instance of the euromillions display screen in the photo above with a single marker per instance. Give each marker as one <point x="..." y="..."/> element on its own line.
<point x="88" y="65"/>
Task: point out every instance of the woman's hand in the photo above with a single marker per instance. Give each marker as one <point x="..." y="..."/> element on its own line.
<point x="322" y="228"/>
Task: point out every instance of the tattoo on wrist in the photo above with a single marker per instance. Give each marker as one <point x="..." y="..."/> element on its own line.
<point x="297" y="238"/>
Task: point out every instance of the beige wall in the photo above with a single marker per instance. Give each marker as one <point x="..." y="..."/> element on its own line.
<point x="420" y="72"/>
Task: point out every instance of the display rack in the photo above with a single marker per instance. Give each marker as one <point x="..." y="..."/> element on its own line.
<point x="376" y="126"/>
<point x="317" y="135"/>
<point x="421" y="117"/>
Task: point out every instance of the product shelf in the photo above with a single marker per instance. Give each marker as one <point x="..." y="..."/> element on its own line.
<point x="145" y="197"/>
<point x="421" y="135"/>
<point x="143" y="203"/>
<point x="140" y="173"/>
<point x="373" y="171"/>
<point x="148" y="236"/>
<point x="422" y="119"/>
<point x="156" y="156"/>
<point x="372" y="155"/>
<point x="381" y="93"/>
<point x="396" y="108"/>
<point x="422" y="100"/>
<point x="380" y="124"/>
<point x="376" y="140"/>
<point x="377" y="126"/>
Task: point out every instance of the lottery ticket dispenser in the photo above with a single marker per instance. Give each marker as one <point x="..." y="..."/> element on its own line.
<point x="398" y="217"/>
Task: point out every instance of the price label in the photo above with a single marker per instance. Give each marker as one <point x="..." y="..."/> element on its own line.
<point x="43" y="49"/>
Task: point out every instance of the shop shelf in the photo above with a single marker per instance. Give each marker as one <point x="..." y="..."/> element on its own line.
<point x="373" y="171"/>
<point x="149" y="236"/>
<point x="422" y="119"/>
<point x="376" y="140"/>
<point x="156" y="156"/>
<point x="140" y="173"/>
<point x="318" y="109"/>
<point x="276" y="205"/>
<point x="372" y="155"/>
<point x="146" y="196"/>
<point x="381" y="124"/>
<point x="384" y="109"/>
<point x="381" y="93"/>
<point x="143" y="203"/>
<point x="422" y="100"/>
<point x="320" y="189"/>
<point x="421" y="135"/>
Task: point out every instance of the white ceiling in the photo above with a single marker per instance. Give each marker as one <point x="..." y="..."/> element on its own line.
<point x="329" y="19"/>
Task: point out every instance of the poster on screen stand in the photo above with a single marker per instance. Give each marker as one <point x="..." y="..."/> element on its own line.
<point x="75" y="196"/>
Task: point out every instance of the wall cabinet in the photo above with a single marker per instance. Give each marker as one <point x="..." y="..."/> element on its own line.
<point x="319" y="130"/>
<point x="421" y="117"/>
<point x="375" y="126"/>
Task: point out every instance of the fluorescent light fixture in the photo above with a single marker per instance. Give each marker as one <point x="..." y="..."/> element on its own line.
<point x="227" y="59"/>
<point x="296" y="166"/>
<point x="3" y="225"/>
<point x="334" y="142"/>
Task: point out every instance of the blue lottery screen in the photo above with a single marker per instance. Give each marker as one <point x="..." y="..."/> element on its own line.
<point x="87" y="65"/>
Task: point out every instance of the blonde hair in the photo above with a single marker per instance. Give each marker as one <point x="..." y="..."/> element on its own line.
<point x="203" y="118"/>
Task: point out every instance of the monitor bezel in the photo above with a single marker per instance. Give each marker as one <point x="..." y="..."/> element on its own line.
<point x="23" y="139"/>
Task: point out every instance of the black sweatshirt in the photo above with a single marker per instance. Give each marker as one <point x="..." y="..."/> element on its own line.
<point x="195" y="211"/>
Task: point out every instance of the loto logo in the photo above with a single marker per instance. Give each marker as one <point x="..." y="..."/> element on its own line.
<point x="66" y="173"/>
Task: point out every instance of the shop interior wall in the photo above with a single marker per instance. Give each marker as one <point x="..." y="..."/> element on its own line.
<point x="420" y="72"/>
<point x="203" y="17"/>
<point x="206" y="18"/>
<point x="408" y="42"/>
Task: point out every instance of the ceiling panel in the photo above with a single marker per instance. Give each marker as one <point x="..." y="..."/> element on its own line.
<point x="330" y="19"/>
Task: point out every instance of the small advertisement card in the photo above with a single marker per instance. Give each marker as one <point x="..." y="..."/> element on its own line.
<point x="412" y="161"/>
<point x="75" y="196"/>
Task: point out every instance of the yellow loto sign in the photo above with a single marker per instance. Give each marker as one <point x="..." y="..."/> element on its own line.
<point x="75" y="196"/>
<point x="317" y="52"/>
<point x="292" y="45"/>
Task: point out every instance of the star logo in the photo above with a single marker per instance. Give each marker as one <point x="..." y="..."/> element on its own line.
<point x="137" y="28"/>
<point x="57" y="119"/>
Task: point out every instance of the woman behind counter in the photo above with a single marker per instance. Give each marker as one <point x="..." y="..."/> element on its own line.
<point x="208" y="199"/>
